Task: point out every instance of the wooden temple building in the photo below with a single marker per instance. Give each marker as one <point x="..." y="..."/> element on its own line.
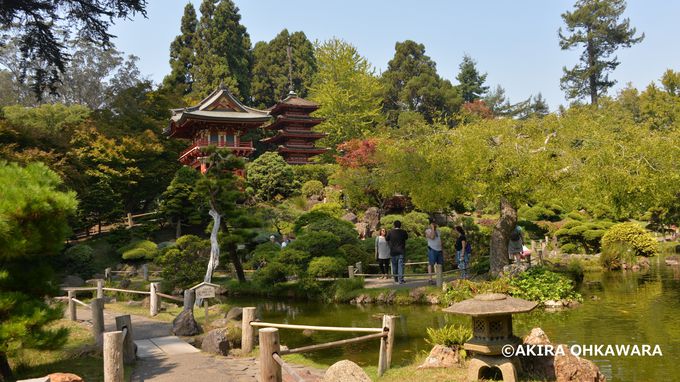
<point x="222" y="120"/>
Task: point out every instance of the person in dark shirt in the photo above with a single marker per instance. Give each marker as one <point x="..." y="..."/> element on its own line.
<point x="396" y="238"/>
<point x="463" y="249"/>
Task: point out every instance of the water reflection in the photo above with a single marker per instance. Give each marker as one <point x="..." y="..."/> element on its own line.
<point x="619" y="308"/>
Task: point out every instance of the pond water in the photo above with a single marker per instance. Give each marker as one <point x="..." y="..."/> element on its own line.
<point x="618" y="308"/>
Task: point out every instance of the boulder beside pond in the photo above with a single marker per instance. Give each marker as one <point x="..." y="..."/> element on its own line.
<point x="345" y="371"/>
<point x="220" y="341"/>
<point x="234" y="314"/>
<point x="185" y="324"/>
<point x="441" y="356"/>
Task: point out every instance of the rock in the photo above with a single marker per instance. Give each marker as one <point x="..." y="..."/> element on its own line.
<point x="432" y="299"/>
<point x="514" y="269"/>
<point x="372" y="219"/>
<point x="308" y="332"/>
<point x="417" y="294"/>
<point x="72" y="281"/>
<point x="362" y="229"/>
<point x="234" y="314"/>
<point x="220" y="341"/>
<point x="185" y="324"/>
<point x="569" y="367"/>
<point x="217" y="324"/>
<point x="64" y="377"/>
<point x="635" y="268"/>
<point x="124" y="283"/>
<point x="345" y="371"/>
<point x="350" y="217"/>
<point x="536" y="337"/>
<point x="643" y="262"/>
<point x="672" y="260"/>
<point x="553" y="304"/>
<point x="441" y="356"/>
<point x="362" y="299"/>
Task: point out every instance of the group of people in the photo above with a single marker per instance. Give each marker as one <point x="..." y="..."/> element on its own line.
<point x="391" y="246"/>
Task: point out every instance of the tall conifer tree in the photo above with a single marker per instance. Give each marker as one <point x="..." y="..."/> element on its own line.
<point x="471" y="81"/>
<point x="182" y="53"/>
<point x="595" y="25"/>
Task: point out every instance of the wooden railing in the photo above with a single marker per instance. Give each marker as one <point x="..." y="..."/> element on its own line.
<point x="357" y="271"/>
<point x="271" y="363"/>
<point x="198" y="144"/>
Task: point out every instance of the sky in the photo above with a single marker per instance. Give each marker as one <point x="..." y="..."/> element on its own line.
<point x="514" y="42"/>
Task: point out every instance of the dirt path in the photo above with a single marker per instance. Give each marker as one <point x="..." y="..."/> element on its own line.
<point x="199" y="366"/>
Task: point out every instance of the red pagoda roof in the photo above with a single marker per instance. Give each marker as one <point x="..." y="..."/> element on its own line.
<point x="219" y="106"/>
<point x="293" y="102"/>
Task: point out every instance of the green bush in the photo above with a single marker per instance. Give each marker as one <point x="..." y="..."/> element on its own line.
<point x="581" y="236"/>
<point x="317" y="244"/>
<point x="270" y="274"/>
<point x="326" y="266"/>
<point x="184" y="264"/>
<point x="539" y="284"/>
<point x="354" y="253"/>
<point x="271" y="177"/>
<point x="640" y="240"/>
<point x="449" y="335"/>
<point x="416" y="249"/>
<point x="540" y="211"/>
<point x="414" y="223"/>
<point x="318" y="172"/>
<point x="341" y="229"/>
<point x="312" y="188"/>
<point x="137" y="250"/>
<point x="265" y="252"/>
<point x="343" y="289"/>
<point x="296" y="260"/>
<point x="78" y="260"/>
<point x="330" y="208"/>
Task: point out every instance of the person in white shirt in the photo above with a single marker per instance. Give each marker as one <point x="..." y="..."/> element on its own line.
<point x="434" y="248"/>
<point x="382" y="253"/>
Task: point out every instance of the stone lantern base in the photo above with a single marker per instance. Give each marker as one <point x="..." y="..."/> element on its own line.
<point x="507" y="366"/>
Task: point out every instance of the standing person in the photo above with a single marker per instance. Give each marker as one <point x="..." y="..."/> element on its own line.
<point x="516" y="244"/>
<point x="463" y="249"/>
<point x="397" y="240"/>
<point x="434" y="248"/>
<point x="382" y="253"/>
<point x="285" y="242"/>
<point x="272" y="239"/>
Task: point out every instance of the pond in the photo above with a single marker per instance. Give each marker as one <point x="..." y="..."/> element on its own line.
<point x="618" y="308"/>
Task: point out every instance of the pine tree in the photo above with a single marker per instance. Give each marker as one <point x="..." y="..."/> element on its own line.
<point x="412" y="84"/>
<point x="471" y="83"/>
<point x="182" y="55"/>
<point x="271" y="67"/>
<point x="223" y="53"/>
<point x="595" y="25"/>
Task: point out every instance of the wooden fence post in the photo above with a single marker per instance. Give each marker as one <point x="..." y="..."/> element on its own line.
<point x="145" y="271"/>
<point x="100" y="288"/>
<point x="440" y="275"/>
<point x="153" y="299"/>
<point x="129" y="220"/>
<point x="386" y="344"/>
<point x="97" y="310"/>
<point x="247" y="335"/>
<point x="189" y="299"/>
<point x="107" y="274"/>
<point x="113" y="357"/>
<point x="270" y="370"/>
<point x="125" y="322"/>
<point x="360" y="267"/>
<point x="350" y="270"/>
<point x="71" y="305"/>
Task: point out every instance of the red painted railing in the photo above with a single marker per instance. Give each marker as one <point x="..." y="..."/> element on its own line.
<point x="204" y="143"/>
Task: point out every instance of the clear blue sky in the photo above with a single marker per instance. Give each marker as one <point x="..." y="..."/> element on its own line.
<point x="515" y="42"/>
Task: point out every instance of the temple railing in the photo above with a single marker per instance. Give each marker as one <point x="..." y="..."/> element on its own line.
<point x="197" y="145"/>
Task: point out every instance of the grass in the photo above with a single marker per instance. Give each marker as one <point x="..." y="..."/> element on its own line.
<point x="170" y="314"/>
<point x="77" y="356"/>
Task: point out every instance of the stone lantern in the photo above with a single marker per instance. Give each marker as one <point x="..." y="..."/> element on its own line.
<point x="492" y="329"/>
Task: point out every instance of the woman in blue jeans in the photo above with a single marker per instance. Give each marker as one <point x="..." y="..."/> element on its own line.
<point x="463" y="250"/>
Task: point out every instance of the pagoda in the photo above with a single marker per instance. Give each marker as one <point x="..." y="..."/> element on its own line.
<point x="219" y="120"/>
<point x="295" y="139"/>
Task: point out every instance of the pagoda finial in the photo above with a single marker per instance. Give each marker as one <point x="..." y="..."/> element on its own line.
<point x="290" y="67"/>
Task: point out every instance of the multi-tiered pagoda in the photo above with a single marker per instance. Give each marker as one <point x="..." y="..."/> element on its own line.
<point x="219" y="120"/>
<point x="295" y="139"/>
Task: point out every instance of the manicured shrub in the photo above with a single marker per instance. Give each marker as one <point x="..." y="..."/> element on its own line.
<point x="270" y="274"/>
<point x="540" y="211"/>
<point x="354" y="253"/>
<point x="317" y="244"/>
<point x="312" y="188"/>
<point x="330" y="208"/>
<point x="578" y="236"/>
<point x="326" y="266"/>
<point x="270" y="177"/>
<point x="184" y="264"/>
<point x="318" y="172"/>
<point x="414" y="223"/>
<point x="296" y="260"/>
<point x="341" y="229"/>
<point x="137" y="250"/>
<point x="640" y="240"/>
<point x="78" y="260"/>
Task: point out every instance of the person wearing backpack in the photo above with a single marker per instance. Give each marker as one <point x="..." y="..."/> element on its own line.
<point x="516" y="244"/>
<point x="463" y="251"/>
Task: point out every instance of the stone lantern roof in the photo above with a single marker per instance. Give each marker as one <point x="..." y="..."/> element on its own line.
<point x="491" y="304"/>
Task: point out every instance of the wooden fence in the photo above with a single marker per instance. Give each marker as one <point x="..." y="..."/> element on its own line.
<point x="271" y="362"/>
<point x="356" y="271"/>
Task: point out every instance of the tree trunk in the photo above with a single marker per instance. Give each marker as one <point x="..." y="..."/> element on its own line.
<point x="178" y="229"/>
<point x="237" y="264"/>
<point x="592" y="77"/>
<point x="5" y="370"/>
<point x="214" y="245"/>
<point x="500" y="236"/>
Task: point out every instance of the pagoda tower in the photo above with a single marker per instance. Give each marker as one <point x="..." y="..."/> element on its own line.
<point x="219" y="120"/>
<point x="294" y="138"/>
